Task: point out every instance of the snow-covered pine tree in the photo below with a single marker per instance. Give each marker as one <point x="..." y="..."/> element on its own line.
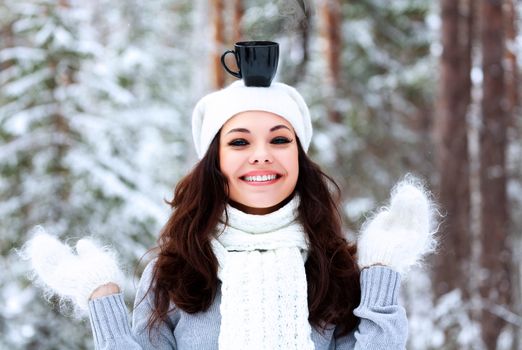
<point x="91" y="141"/>
<point x="42" y="69"/>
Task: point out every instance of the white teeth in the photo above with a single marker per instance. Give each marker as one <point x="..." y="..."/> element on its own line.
<point x="260" y="178"/>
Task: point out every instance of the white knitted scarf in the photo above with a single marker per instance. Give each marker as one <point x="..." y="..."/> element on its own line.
<point x="264" y="290"/>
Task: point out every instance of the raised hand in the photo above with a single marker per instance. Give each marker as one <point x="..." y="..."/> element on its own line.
<point x="71" y="275"/>
<point x="400" y="235"/>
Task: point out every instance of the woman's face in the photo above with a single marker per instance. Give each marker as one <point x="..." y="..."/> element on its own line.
<point x="258" y="155"/>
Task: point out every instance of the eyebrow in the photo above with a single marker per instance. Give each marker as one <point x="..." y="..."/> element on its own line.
<point x="277" y="127"/>
<point x="280" y="126"/>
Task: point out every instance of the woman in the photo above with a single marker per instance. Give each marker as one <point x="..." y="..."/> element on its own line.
<point x="253" y="256"/>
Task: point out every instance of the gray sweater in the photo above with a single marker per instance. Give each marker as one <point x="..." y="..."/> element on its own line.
<point x="383" y="323"/>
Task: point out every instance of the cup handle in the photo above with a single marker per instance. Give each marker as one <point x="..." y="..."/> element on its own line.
<point x="236" y="74"/>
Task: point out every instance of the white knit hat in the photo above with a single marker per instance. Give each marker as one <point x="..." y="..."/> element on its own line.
<point x="213" y="110"/>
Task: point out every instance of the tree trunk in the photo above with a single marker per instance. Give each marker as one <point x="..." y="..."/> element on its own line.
<point x="511" y="73"/>
<point x="218" y="73"/>
<point x="237" y="32"/>
<point x="513" y="111"/>
<point x="451" y="265"/>
<point x="6" y="33"/>
<point x="495" y="257"/>
<point x="304" y="29"/>
<point x="61" y="128"/>
<point x="331" y="11"/>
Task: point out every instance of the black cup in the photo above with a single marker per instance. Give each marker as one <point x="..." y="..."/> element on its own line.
<point x="256" y="60"/>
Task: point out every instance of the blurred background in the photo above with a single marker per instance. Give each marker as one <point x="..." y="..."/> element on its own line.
<point x="95" y="105"/>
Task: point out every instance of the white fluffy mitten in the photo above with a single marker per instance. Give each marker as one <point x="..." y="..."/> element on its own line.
<point x="71" y="275"/>
<point x="400" y="235"/>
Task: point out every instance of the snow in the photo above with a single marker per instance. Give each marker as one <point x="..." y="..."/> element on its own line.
<point x="357" y="207"/>
<point x="127" y="74"/>
<point x="19" y="123"/>
<point x="23" y="85"/>
<point x="476" y="75"/>
<point x="22" y="54"/>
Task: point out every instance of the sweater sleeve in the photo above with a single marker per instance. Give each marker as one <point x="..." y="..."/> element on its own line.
<point x="111" y="327"/>
<point x="383" y="323"/>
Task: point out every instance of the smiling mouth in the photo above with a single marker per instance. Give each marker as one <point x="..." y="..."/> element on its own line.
<point x="260" y="178"/>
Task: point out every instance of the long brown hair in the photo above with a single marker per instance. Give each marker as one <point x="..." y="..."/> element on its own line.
<point x="185" y="272"/>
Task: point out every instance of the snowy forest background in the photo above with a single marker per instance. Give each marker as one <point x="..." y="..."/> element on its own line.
<point x="95" y="104"/>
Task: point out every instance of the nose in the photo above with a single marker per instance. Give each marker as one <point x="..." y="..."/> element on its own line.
<point x="260" y="155"/>
<point x="255" y="161"/>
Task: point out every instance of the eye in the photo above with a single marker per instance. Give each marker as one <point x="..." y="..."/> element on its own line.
<point x="238" y="142"/>
<point x="280" y="140"/>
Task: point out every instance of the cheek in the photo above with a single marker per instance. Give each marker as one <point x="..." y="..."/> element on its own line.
<point x="228" y="163"/>
<point x="224" y="161"/>
<point x="295" y="173"/>
<point x="292" y="165"/>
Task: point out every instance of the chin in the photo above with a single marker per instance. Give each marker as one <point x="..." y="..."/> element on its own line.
<point x="262" y="205"/>
<point x="258" y="206"/>
<point x="267" y="203"/>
